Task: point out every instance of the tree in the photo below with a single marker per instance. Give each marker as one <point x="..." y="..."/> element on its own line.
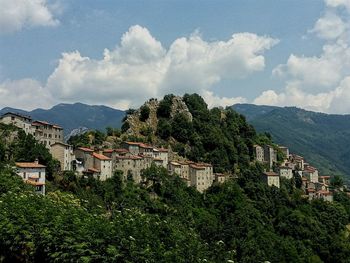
<point x="144" y="113"/>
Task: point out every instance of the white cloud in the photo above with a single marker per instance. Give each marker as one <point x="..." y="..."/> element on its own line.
<point x="140" y="68"/>
<point x="215" y="101"/>
<point x="18" y="14"/>
<point x="338" y="3"/>
<point x="26" y="94"/>
<point x="329" y="26"/>
<point x="322" y="82"/>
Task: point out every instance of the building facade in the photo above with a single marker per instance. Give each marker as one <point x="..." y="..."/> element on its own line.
<point x="64" y="154"/>
<point x="32" y="173"/>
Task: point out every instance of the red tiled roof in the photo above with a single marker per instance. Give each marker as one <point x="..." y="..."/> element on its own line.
<point x="270" y="174"/>
<point x="108" y="150"/>
<point x="132" y="157"/>
<point x="121" y="150"/>
<point x="29" y="165"/>
<point x="162" y="150"/>
<point x="197" y="167"/>
<point x="101" y="157"/>
<point x="84" y="149"/>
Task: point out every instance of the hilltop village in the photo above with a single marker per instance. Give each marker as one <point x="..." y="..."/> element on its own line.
<point x="133" y="157"/>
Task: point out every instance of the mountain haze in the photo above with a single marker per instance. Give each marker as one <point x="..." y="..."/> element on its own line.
<point x="323" y="139"/>
<point x="74" y="116"/>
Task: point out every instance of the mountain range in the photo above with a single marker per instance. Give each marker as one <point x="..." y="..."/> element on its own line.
<point x="323" y="139"/>
<point x="75" y="117"/>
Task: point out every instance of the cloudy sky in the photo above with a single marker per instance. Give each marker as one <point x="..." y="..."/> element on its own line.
<point x="120" y="53"/>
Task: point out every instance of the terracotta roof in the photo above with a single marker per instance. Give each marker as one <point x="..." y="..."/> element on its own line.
<point x="57" y="127"/>
<point x="133" y="143"/>
<point x="132" y="157"/>
<point x="145" y="146"/>
<point x="101" y="157"/>
<point x="108" y="150"/>
<point x="175" y="163"/>
<point x="197" y="167"/>
<point x="311" y="190"/>
<point x="157" y="159"/>
<point x="121" y="150"/>
<point x="162" y="150"/>
<point x="29" y="165"/>
<point x="84" y="149"/>
<point x="270" y="174"/>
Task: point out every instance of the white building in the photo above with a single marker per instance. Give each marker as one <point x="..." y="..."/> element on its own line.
<point x="311" y="173"/>
<point x="32" y="173"/>
<point x="201" y="176"/>
<point x="271" y="179"/>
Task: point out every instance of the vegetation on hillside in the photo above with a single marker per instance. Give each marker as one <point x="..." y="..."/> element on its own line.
<point x="163" y="220"/>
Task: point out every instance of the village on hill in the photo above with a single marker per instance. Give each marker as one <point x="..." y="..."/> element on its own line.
<point x="134" y="157"/>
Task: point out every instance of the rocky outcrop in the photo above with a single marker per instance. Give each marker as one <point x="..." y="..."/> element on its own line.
<point x="149" y="126"/>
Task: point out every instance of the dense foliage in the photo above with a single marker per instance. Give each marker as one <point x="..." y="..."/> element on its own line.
<point x="220" y="137"/>
<point x="162" y="220"/>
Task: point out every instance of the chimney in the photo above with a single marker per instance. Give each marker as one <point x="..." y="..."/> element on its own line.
<point x="36" y="161"/>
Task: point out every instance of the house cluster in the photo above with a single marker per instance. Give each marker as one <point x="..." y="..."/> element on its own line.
<point x="133" y="157"/>
<point x="314" y="185"/>
<point x="51" y="135"/>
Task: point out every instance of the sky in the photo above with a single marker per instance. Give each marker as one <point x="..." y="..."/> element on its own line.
<point x="121" y="53"/>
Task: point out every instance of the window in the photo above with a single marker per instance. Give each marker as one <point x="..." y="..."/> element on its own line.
<point x="39" y="174"/>
<point x="25" y="175"/>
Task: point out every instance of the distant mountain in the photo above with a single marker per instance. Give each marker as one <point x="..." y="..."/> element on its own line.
<point x="323" y="139"/>
<point x="76" y="116"/>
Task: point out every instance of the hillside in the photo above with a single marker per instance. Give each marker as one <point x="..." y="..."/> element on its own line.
<point x="323" y="139"/>
<point x="77" y="115"/>
<point x="85" y="219"/>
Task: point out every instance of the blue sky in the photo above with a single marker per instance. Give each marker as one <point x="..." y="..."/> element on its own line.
<point x="290" y="52"/>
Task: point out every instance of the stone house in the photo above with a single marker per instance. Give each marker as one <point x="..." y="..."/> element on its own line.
<point x="131" y="167"/>
<point x="84" y="159"/>
<point x="285" y="172"/>
<point x="21" y="121"/>
<point x="47" y="133"/>
<point x="298" y="161"/>
<point x="271" y="178"/>
<point x="32" y="173"/>
<point x="103" y="164"/>
<point x="270" y="155"/>
<point x="162" y="154"/>
<point x="174" y="168"/>
<point x="221" y="178"/>
<point x="259" y="153"/>
<point x="311" y="173"/>
<point x="64" y="154"/>
<point x="201" y="176"/>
